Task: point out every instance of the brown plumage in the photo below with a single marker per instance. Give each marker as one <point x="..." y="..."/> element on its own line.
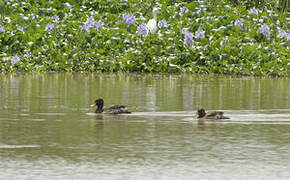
<point x="211" y="115"/>
<point x="113" y="109"/>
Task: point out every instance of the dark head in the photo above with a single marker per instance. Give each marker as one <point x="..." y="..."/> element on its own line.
<point x="201" y="113"/>
<point x="99" y="103"/>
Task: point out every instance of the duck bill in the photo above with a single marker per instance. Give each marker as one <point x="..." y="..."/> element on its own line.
<point x="93" y="105"/>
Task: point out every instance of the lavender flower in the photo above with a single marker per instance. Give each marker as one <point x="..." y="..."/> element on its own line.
<point x="56" y="18"/>
<point x="239" y="24"/>
<point x="253" y="11"/>
<point x="265" y="30"/>
<point x="288" y="36"/>
<point x="129" y="19"/>
<point x="188" y="38"/>
<point x="2" y="29"/>
<point x="183" y="10"/>
<point x="91" y="21"/>
<point x="199" y="34"/>
<point x="15" y="59"/>
<point x="49" y="27"/>
<point x="282" y="34"/>
<point x="142" y="29"/>
<point x="20" y="29"/>
<point x="162" y="23"/>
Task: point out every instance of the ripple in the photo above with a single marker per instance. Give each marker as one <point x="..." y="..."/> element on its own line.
<point x="6" y="146"/>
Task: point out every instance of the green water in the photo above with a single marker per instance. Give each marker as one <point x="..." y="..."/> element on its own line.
<point x="48" y="130"/>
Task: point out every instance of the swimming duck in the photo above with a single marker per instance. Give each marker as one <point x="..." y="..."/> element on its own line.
<point x="114" y="109"/>
<point x="211" y="115"/>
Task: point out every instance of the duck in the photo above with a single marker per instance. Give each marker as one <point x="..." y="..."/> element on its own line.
<point x="211" y="115"/>
<point x="152" y="23"/>
<point x="113" y="109"/>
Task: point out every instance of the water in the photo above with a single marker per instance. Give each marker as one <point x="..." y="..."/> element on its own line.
<point x="48" y="130"/>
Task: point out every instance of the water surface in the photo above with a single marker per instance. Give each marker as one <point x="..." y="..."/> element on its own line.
<point x="48" y="130"/>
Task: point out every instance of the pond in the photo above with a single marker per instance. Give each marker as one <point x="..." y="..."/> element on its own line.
<point x="48" y="129"/>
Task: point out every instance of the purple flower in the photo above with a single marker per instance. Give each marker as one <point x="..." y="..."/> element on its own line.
<point x="99" y="24"/>
<point x="282" y="34"/>
<point x="188" y="38"/>
<point x="91" y="21"/>
<point x="2" y="29"/>
<point x="56" y="18"/>
<point x="253" y="11"/>
<point x="239" y="24"/>
<point x="142" y="29"/>
<point x="199" y="34"/>
<point x="129" y="19"/>
<point x="288" y="36"/>
<point x="265" y="30"/>
<point x="183" y="10"/>
<point x="49" y="27"/>
<point x="162" y="23"/>
<point x="86" y="27"/>
<point x="20" y="29"/>
<point x="15" y="59"/>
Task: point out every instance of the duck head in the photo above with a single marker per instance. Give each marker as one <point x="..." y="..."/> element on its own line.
<point x="99" y="103"/>
<point x="201" y="113"/>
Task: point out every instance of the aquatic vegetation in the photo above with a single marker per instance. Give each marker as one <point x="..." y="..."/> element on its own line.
<point x="112" y="36"/>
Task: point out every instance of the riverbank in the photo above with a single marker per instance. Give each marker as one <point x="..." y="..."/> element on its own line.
<point x="111" y="36"/>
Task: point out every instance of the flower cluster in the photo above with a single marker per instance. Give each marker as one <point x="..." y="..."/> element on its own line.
<point x="56" y="18"/>
<point x="199" y="34"/>
<point x="15" y="59"/>
<point x="142" y="29"/>
<point x="282" y="34"/>
<point x="188" y="38"/>
<point x="265" y="30"/>
<point x="2" y="29"/>
<point x="129" y="19"/>
<point x="253" y="11"/>
<point x="92" y="23"/>
<point x="239" y="24"/>
<point x="162" y="23"/>
<point x="49" y="27"/>
<point x="183" y="10"/>
<point x="20" y="29"/>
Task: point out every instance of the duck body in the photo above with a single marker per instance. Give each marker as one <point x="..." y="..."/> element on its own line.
<point x="113" y="109"/>
<point x="211" y="115"/>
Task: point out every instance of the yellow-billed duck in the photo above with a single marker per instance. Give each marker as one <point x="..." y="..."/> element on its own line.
<point x="113" y="109"/>
<point x="211" y="115"/>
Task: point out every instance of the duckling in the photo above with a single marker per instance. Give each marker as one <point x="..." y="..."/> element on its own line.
<point x="211" y="115"/>
<point x="114" y="109"/>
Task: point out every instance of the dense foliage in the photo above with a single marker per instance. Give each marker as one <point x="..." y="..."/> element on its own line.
<point x="112" y="36"/>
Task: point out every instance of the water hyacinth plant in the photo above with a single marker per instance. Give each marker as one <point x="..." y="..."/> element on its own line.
<point x="19" y="28"/>
<point x="15" y="59"/>
<point x="265" y="30"/>
<point x="188" y="38"/>
<point x="2" y="29"/>
<point x="199" y="34"/>
<point x="49" y="27"/>
<point x="91" y="36"/>
<point x="129" y="19"/>
<point x="253" y="11"/>
<point x="239" y="24"/>
<point x="142" y="29"/>
<point x="162" y="23"/>
<point x="183" y="10"/>
<point x="282" y="34"/>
